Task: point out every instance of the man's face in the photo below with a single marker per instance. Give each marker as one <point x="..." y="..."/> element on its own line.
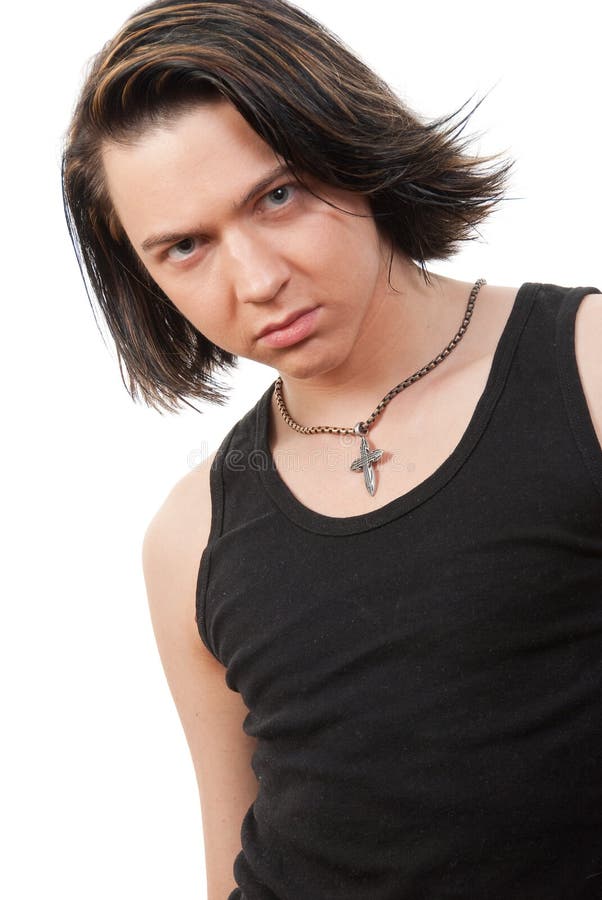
<point x="234" y="263"/>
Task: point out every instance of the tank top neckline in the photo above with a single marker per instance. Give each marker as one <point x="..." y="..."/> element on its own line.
<point x="320" y="523"/>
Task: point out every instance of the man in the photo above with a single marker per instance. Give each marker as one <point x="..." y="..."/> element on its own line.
<point x="397" y="689"/>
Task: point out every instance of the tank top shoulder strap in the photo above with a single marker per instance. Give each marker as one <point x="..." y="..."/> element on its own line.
<point x="231" y="497"/>
<point x="577" y="409"/>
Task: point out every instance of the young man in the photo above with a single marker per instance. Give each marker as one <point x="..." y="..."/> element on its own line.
<point x="395" y="558"/>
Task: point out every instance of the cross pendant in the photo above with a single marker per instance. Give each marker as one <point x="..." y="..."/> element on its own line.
<point x="364" y="462"/>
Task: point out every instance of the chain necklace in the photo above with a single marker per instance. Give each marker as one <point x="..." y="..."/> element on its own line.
<point x="368" y="456"/>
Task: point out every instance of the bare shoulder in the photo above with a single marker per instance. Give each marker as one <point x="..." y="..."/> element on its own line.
<point x="588" y="341"/>
<point x="185" y="513"/>
<point x="590" y="309"/>
<point x="172" y="546"/>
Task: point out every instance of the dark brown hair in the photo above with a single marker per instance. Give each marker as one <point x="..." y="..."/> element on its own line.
<point x="316" y="104"/>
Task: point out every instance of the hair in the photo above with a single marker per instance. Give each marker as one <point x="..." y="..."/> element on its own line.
<point x="313" y="102"/>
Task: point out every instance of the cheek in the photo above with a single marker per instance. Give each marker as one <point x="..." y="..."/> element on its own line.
<point x="181" y="287"/>
<point x="194" y="303"/>
<point x="347" y="252"/>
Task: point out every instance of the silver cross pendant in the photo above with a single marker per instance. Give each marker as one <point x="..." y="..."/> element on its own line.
<point x="364" y="462"/>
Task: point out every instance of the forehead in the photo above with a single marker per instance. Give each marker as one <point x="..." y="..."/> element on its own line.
<point x="208" y="155"/>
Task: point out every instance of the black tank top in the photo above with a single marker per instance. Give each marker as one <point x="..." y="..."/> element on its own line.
<point x="425" y="680"/>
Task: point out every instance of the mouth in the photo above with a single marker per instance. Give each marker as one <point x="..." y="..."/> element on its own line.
<point x="291" y="330"/>
<point x="284" y="323"/>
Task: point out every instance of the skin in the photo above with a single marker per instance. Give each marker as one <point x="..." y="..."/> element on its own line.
<point x="233" y="270"/>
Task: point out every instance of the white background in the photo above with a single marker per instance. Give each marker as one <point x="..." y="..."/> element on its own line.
<point x="98" y="792"/>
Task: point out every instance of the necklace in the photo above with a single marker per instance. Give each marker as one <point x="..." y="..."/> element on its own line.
<point x="368" y="457"/>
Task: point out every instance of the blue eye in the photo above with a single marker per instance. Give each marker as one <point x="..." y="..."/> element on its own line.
<point x="281" y="195"/>
<point x="182" y="249"/>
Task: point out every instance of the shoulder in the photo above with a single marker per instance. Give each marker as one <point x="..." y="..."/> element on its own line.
<point x="179" y="530"/>
<point x="588" y="341"/>
<point x="189" y="496"/>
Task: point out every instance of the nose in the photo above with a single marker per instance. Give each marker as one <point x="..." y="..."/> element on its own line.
<point x="257" y="269"/>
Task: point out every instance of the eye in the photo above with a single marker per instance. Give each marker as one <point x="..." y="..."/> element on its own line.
<point x="183" y="249"/>
<point x="281" y="195"/>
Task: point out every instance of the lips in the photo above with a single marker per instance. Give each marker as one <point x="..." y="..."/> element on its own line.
<point x="275" y="326"/>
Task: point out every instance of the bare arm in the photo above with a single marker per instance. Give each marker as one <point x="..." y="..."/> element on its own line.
<point x="211" y="714"/>
<point x="588" y="340"/>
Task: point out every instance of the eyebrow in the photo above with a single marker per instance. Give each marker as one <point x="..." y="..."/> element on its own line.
<point x="174" y="237"/>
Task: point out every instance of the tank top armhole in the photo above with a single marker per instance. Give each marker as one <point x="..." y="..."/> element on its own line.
<point x="216" y="486"/>
<point x="578" y="413"/>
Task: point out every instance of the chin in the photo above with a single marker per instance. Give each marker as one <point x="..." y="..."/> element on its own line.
<point x="309" y="364"/>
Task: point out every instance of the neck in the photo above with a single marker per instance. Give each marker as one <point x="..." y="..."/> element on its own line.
<point x="407" y="324"/>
